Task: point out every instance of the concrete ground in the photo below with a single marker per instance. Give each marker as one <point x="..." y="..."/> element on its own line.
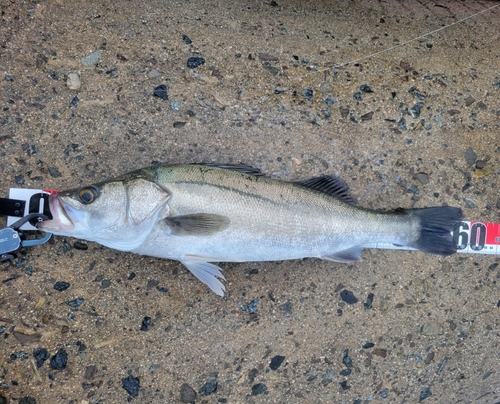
<point x="297" y="89"/>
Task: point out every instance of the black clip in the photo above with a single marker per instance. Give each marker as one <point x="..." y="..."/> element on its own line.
<point x="12" y="238"/>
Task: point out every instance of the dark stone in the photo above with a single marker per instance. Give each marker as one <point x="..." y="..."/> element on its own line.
<point x="194" y="62"/>
<point x="286" y="308"/>
<point x="178" y="124"/>
<point x="402" y="123"/>
<point x="365" y="88"/>
<point x="40" y="355"/>
<point x="146" y="324"/>
<point x="19" y="179"/>
<point x="75" y="302"/>
<point x="469" y="100"/>
<point x="61" y="285"/>
<point x="345" y="372"/>
<point x="60" y="360"/>
<point x="357" y="96"/>
<point x="480" y="164"/>
<point x="78" y="245"/>
<point x="186" y="40"/>
<point x="208" y="388"/>
<point x="425" y="393"/>
<point x="470" y="156"/>
<point x="258" y="388"/>
<point x="348" y="297"/>
<point x="105" y="283"/>
<point x="251" y="307"/>
<point x="54" y="172"/>
<point x="276" y="362"/>
<point x="384" y="393"/>
<point x="415" y="110"/>
<point x="346" y="360"/>
<point x="329" y="101"/>
<point x="187" y="393"/>
<point x="344" y="385"/>
<point x="369" y="301"/>
<point x="27" y="400"/>
<point x="90" y="372"/>
<point x="131" y="385"/>
<point x="161" y="92"/>
<point x="74" y="102"/>
<point x="18" y="355"/>
<point x="367" y="116"/>
<point x="308" y="93"/>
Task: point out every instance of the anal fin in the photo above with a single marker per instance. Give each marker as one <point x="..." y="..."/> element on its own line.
<point x="352" y="254"/>
<point x="207" y="273"/>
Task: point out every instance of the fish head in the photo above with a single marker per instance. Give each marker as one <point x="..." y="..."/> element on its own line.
<point x="119" y="213"/>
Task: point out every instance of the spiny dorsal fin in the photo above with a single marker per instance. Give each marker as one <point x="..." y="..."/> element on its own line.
<point x="241" y="168"/>
<point x="330" y="185"/>
<point x="198" y="224"/>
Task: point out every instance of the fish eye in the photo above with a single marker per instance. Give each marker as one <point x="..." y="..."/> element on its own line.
<point x="87" y="195"/>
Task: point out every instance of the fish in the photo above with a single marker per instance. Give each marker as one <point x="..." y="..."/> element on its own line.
<point x="201" y="214"/>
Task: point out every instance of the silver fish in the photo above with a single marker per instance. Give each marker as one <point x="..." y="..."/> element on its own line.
<point x="199" y="214"/>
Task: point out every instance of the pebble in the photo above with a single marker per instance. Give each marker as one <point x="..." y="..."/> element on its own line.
<point x="208" y="388"/>
<point x="187" y="393"/>
<point x="369" y="301"/>
<point x="251" y="307"/>
<point x="470" y="203"/>
<point x="267" y="57"/>
<point x="329" y="100"/>
<point x="470" y="156"/>
<point x="74" y="102"/>
<point x="286" y="308"/>
<point x="357" y="96"/>
<point x="195" y="61"/>
<point x="276" y="362"/>
<point x="18" y="355"/>
<point x="61" y="285"/>
<point x="131" y="385"/>
<point x="175" y="105"/>
<point x="348" y="297"/>
<point x="186" y="39"/>
<point x="90" y="372"/>
<point x="258" y="388"/>
<point x="60" y="360"/>
<point x="469" y="100"/>
<point x="73" y="81"/>
<point x="422" y="178"/>
<point x="368" y="345"/>
<point x="415" y="110"/>
<point x="146" y="324"/>
<point x="366" y="117"/>
<point x="346" y="360"/>
<point x="54" y="172"/>
<point x="78" y="245"/>
<point x="178" y="124"/>
<point x="365" y="88"/>
<point x="91" y="59"/>
<point x="431" y="328"/>
<point x="425" y="393"/>
<point x="307" y="93"/>
<point x="161" y="92"/>
<point x="344" y="111"/>
<point x="379" y="352"/>
<point x="402" y="123"/>
<point x="75" y="302"/>
<point x="154" y="74"/>
<point x="27" y="400"/>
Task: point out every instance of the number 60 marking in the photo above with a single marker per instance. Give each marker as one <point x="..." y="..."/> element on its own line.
<point x="474" y="236"/>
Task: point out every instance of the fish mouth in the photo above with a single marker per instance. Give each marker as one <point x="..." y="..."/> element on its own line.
<point x="61" y="220"/>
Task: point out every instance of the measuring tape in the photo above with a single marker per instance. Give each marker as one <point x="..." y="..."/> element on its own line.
<point x="469" y="237"/>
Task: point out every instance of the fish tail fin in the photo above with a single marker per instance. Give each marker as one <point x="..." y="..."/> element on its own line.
<point x="436" y="225"/>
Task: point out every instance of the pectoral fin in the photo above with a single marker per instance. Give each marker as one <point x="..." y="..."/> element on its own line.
<point x="346" y="256"/>
<point x="198" y="224"/>
<point x="207" y="273"/>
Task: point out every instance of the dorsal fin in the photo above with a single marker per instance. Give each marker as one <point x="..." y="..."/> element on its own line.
<point x="241" y="168"/>
<point x="330" y="185"/>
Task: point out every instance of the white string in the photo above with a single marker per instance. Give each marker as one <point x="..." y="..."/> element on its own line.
<point x="407" y="42"/>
